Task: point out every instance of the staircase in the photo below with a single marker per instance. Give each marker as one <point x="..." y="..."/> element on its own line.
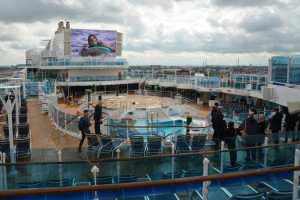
<point x="158" y="113"/>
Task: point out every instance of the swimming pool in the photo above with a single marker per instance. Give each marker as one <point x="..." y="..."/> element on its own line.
<point x="162" y="128"/>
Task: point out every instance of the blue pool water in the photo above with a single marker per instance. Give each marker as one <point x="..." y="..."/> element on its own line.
<point x="165" y="132"/>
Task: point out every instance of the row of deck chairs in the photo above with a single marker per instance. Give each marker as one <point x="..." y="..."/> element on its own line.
<point x="47" y="184"/>
<point x="138" y="147"/>
<point x="23" y="131"/>
<point x="22" y="147"/>
<point x="154" y="145"/>
<point x="268" y="190"/>
<point x="99" y="181"/>
<point x="105" y="145"/>
<point x="23" y="119"/>
<point x="191" y="144"/>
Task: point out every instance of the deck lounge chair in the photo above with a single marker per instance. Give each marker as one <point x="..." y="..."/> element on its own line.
<point x="277" y="195"/>
<point x="93" y="144"/>
<point x="241" y="192"/>
<point x="164" y="175"/>
<point x="4" y="147"/>
<point x="30" y="185"/>
<point x="171" y="196"/>
<point x="133" y="198"/>
<point x="23" y="131"/>
<point x="193" y="173"/>
<point x="23" y="148"/>
<point x="137" y="146"/>
<point x="282" y="185"/>
<point x="6" y="131"/>
<point x="60" y="183"/>
<point x="125" y="179"/>
<point x="109" y="146"/>
<point x="102" y="180"/>
<point x="198" y="143"/>
<point x="154" y="145"/>
<point x="182" y="145"/>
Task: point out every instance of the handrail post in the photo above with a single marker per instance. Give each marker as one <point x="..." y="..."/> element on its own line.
<point x="66" y="123"/>
<point x="95" y="170"/>
<point x="59" y="158"/>
<point x="118" y="153"/>
<point x="151" y="120"/>
<point x="205" y="183"/>
<point x="265" y="151"/>
<point x="296" y="175"/>
<point x="1" y="173"/>
<point x="4" y="172"/>
<point x="182" y="128"/>
<point x="222" y="156"/>
<point x="173" y="163"/>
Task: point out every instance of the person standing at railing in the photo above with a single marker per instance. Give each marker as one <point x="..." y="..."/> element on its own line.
<point x="275" y="125"/>
<point x="230" y="140"/>
<point x="250" y="125"/>
<point x="290" y="122"/>
<point x="84" y="127"/>
<point x="262" y="126"/>
<point x="98" y="117"/>
<point x="220" y="128"/>
<point x="214" y="111"/>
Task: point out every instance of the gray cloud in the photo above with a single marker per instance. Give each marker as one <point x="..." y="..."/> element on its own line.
<point x="243" y="3"/>
<point x="264" y="21"/>
<point x="32" y="10"/>
<point x="221" y="27"/>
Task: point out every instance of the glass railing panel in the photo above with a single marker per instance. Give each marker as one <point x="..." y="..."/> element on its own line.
<point x="72" y="123"/>
<point x="41" y="155"/>
<point x="33" y="176"/>
<point x="72" y="154"/>
<point x="256" y="157"/>
<point x="61" y="121"/>
<point x="257" y="187"/>
<point x="279" y="156"/>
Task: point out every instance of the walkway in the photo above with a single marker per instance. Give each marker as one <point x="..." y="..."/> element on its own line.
<point x="43" y="134"/>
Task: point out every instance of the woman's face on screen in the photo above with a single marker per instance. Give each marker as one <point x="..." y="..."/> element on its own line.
<point x="93" y="40"/>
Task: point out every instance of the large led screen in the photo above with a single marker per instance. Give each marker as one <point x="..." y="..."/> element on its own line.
<point x="93" y="43"/>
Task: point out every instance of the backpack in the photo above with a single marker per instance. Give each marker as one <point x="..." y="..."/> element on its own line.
<point x="81" y="124"/>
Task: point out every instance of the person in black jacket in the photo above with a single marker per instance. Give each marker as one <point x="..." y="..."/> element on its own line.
<point x="220" y="129"/>
<point x="84" y="124"/>
<point x="98" y="117"/>
<point x="290" y="124"/>
<point x="275" y="124"/>
<point x="251" y="126"/>
<point x="230" y="141"/>
<point x="214" y="111"/>
<point x="262" y="126"/>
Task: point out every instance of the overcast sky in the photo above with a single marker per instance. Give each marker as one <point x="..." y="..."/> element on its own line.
<point x="166" y="32"/>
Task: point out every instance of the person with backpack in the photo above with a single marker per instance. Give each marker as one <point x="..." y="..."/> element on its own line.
<point x="250" y="125"/>
<point x="83" y="125"/>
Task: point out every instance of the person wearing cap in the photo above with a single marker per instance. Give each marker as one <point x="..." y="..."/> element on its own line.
<point x="84" y="124"/>
<point x="98" y="117"/>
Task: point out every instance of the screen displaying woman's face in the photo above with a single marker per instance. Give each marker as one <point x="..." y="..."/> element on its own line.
<point x="93" y="41"/>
